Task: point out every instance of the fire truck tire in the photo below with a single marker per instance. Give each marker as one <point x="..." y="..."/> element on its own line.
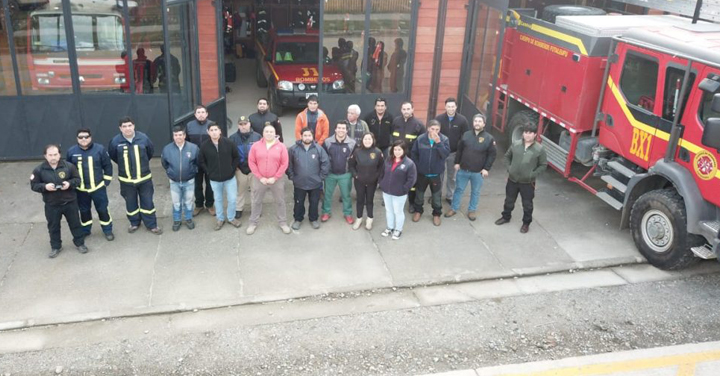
<point x="513" y="131"/>
<point x="275" y="106"/>
<point x="658" y="222"/>
<point x="260" y="77"/>
<point x="552" y="11"/>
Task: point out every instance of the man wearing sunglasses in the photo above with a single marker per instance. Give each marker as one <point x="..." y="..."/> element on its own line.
<point x="95" y="168"/>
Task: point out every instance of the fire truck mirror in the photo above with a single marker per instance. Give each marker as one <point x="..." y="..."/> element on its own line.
<point x="710" y="84"/>
<point x="716" y="103"/>
<point x="711" y="134"/>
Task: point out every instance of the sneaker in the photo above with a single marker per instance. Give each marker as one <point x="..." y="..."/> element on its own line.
<point x="238" y="214"/>
<point x="176" y="225"/>
<point x="251" y="229"/>
<point x="396" y="234"/>
<point x="156" y="230"/>
<point x="325" y="217"/>
<point x="82" y="249"/>
<point x="109" y="236"/>
<point x="451" y="213"/>
<point x="368" y="224"/>
<point x="502" y="221"/>
<point x="315" y="225"/>
<point x="190" y="224"/>
<point x="236" y="222"/>
<point x="387" y="232"/>
<point x="133" y="228"/>
<point x="357" y="224"/>
<point x="349" y="219"/>
<point x="296" y="225"/>
<point x="285" y="229"/>
<point x="219" y="225"/>
<point x="197" y="210"/>
<point x="54" y="252"/>
<point x="472" y="216"/>
<point x="211" y="210"/>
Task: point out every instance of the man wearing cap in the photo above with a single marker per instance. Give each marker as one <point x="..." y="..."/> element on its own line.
<point x="244" y="139"/>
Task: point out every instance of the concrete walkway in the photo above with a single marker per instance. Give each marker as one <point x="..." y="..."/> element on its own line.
<point x="700" y="359"/>
<point x="143" y="273"/>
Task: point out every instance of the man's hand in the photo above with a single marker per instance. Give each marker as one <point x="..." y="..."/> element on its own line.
<point x="65" y="186"/>
<point x="484" y="173"/>
<point x="457" y="167"/>
<point x="435" y="137"/>
<point x="271" y="181"/>
<point x="50" y="187"/>
<point x="264" y="181"/>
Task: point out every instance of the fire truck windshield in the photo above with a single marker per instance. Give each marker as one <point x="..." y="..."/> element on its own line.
<point x="93" y="32"/>
<point x="296" y="53"/>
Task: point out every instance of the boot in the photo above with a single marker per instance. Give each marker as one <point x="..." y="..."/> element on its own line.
<point x="358" y="223"/>
<point x="368" y="224"/>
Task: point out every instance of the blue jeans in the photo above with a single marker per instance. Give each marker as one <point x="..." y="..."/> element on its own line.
<point x="395" y="211"/>
<point x="461" y="180"/>
<point x="182" y="194"/>
<point x="221" y="188"/>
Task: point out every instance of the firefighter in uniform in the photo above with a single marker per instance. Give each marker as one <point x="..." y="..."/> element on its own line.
<point x="56" y="180"/>
<point x="95" y="169"/>
<point x="407" y="128"/>
<point x="131" y="151"/>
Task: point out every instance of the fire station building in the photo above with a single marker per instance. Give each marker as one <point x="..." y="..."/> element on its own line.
<point x="67" y="64"/>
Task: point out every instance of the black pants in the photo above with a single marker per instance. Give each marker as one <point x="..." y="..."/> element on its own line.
<point x="54" y="213"/>
<point x="139" y="203"/>
<point x="205" y="199"/>
<point x="365" y="196"/>
<point x="435" y="184"/>
<point x="527" y="193"/>
<point x="299" y="208"/>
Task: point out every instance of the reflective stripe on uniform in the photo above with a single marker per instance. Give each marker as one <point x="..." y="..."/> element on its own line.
<point x="82" y="174"/>
<point x="411" y="136"/>
<point x="147" y="211"/>
<point x="130" y="214"/>
<point x="91" y="171"/>
<point x="107" y="177"/>
<point x="396" y="134"/>
<point x="98" y="186"/>
<point x="135" y="181"/>
<point x="127" y="163"/>
<point x="88" y="223"/>
<point x="109" y="221"/>
<point x="137" y="162"/>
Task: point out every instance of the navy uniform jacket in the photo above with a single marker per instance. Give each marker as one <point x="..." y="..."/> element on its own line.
<point x="64" y="172"/>
<point x="132" y="158"/>
<point x="93" y="165"/>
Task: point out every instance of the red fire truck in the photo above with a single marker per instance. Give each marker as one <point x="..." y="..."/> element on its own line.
<point x="287" y="63"/>
<point x="626" y="107"/>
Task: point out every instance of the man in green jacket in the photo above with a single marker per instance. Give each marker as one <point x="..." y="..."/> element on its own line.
<point x="525" y="161"/>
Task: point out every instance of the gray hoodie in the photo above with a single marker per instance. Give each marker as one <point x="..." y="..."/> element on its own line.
<point x="307" y="168"/>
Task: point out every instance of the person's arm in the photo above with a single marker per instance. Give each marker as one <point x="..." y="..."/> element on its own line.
<point x="542" y="164"/>
<point x="380" y="166"/>
<point x="414" y="152"/>
<point x="459" y="153"/>
<point x="411" y="178"/>
<point x="324" y="164"/>
<point x="352" y="165"/>
<point x="252" y="160"/>
<point x="298" y="126"/>
<point x="150" y="149"/>
<point x="201" y="159"/>
<point x="112" y="151"/>
<point x="74" y="179"/>
<point x="36" y="184"/>
<point x="107" y="167"/>
<point x="323" y="128"/>
<point x="491" y="155"/>
<point x="278" y="128"/>
<point x="163" y="159"/>
<point x="291" y="165"/>
<point x="283" y="162"/>
<point x="508" y="157"/>
<point x="443" y="148"/>
<point x="235" y="155"/>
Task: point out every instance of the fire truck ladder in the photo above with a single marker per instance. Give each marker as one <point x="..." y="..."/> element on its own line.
<point x="501" y="104"/>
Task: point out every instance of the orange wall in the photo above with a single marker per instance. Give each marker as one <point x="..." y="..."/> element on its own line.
<point x="207" y="39"/>
<point x="424" y="52"/>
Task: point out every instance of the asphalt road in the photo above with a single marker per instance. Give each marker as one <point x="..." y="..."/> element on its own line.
<point x="395" y="342"/>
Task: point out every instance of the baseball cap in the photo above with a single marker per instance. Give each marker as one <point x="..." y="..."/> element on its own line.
<point x="243" y="119"/>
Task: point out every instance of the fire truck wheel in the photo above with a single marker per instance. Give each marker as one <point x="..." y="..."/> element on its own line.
<point x="659" y="228"/>
<point x="552" y="11"/>
<point x="274" y="104"/>
<point x="513" y="131"/>
<point x="260" y="77"/>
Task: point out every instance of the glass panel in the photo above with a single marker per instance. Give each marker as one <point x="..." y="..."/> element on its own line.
<point x="673" y="81"/>
<point x="182" y="57"/>
<point x="638" y="81"/>
<point x="477" y="57"/>
<point x="343" y="44"/>
<point x="389" y="36"/>
<point x="146" y="37"/>
<point x="41" y="49"/>
<point x="99" y="44"/>
<point x="491" y="44"/>
<point x="7" y="77"/>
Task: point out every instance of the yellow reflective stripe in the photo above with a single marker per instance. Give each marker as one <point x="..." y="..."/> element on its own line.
<point x="82" y="176"/>
<point x="133" y="212"/>
<point x="558" y="35"/>
<point x="147" y="211"/>
<point x="127" y="162"/>
<point x="135" y="181"/>
<point x="137" y="161"/>
<point x="396" y="134"/>
<point x="91" y="170"/>
<point x="109" y="221"/>
<point x="648" y="129"/>
<point x="98" y="186"/>
<point x="107" y="177"/>
<point x="88" y="223"/>
<point x="411" y="136"/>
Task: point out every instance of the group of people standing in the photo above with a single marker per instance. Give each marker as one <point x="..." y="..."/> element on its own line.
<point x="209" y="171"/>
<point x="345" y="57"/>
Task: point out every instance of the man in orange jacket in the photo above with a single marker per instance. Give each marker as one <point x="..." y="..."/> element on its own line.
<point x="314" y="118"/>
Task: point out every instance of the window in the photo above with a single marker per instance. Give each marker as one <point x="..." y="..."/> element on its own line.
<point x="387" y="46"/>
<point x="344" y="25"/>
<point x="638" y="81"/>
<point x="296" y="53"/>
<point x="181" y="53"/>
<point x="673" y="82"/>
<point x="705" y="111"/>
<point x="7" y="76"/>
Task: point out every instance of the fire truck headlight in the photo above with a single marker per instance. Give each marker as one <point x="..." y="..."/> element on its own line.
<point x="301" y="86"/>
<point x="43" y="81"/>
<point x="339" y="84"/>
<point x="119" y="80"/>
<point x="285" y="85"/>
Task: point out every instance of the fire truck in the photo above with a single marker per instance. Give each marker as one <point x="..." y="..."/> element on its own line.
<point x="627" y="106"/>
<point x="287" y="64"/>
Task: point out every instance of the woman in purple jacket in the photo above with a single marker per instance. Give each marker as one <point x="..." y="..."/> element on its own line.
<point x="400" y="175"/>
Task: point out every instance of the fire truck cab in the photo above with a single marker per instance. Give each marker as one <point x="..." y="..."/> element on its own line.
<point x="287" y="64"/>
<point x="628" y="107"/>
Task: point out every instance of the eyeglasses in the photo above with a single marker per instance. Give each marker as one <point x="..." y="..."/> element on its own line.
<point x="83" y="137"/>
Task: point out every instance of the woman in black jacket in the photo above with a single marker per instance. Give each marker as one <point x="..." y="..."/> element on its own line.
<point x="366" y="167"/>
<point x="399" y="176"/>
